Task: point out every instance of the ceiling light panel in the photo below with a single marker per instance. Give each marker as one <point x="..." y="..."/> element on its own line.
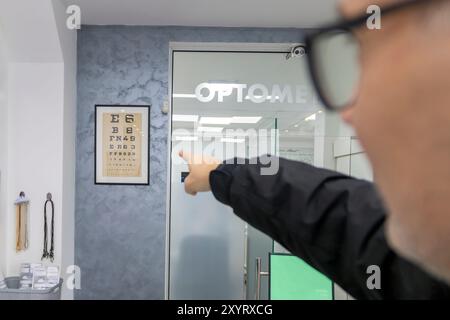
<point x="210" y="129"/>
<point x="184" y="118"/>
<point x="232" y="140"/>
<point x="215" y="120"/>
<point x="186" y="138"/>
<point x="245" y="120"/>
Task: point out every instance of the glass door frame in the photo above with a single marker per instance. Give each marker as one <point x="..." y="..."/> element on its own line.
<point x="201" y="47"/>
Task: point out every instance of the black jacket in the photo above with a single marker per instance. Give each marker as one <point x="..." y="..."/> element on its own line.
<point x="332" y="221"/>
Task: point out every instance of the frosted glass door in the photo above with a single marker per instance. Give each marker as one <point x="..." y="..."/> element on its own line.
<point x="220" y="100"/>
<point x="206" y="245"/>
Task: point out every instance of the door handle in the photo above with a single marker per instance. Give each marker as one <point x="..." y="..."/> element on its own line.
<point x="259" y="274"/>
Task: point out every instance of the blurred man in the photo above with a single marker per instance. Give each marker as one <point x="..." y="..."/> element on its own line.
<point x="400" y="109"/>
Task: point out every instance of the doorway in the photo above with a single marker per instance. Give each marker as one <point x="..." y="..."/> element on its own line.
<point x="222" y="95"/>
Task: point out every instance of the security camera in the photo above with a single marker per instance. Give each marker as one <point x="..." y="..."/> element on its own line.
<point x="297" y="51"/>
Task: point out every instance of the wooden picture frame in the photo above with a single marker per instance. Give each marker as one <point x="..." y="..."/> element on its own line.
<point x="122" y="145"/>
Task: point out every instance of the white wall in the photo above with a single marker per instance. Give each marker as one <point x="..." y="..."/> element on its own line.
<point x="3" y="146"/>
<point x="30" y="30"/>
<point x="38" y="128"/>
<point x="35" y="153"/>
<point x="68" y="43"/>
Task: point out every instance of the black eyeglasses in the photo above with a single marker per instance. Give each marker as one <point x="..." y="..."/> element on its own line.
<point x="333" y="58"/>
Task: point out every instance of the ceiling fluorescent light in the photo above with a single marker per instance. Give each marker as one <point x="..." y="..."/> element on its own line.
<point x="184" y="95"/>
<point x="186" y="138"/>
<point x="215" y="120"/>
<point x="311" y="117"/>
<point x="222" y="85"/>
<point x="185" y="118"/>
<point x="251" y="120"/>
<point x="232" y="140"/>
<point x="210" y="129"/>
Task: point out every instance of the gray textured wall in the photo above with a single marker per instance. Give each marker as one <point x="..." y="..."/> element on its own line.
<point x="120" y="230"/>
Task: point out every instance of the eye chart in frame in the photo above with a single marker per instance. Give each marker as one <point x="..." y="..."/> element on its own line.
<point x="122" y="144"/>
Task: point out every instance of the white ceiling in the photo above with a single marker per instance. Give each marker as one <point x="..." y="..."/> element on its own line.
<point x="220" y="13"/>
<point x="24" y="24"/>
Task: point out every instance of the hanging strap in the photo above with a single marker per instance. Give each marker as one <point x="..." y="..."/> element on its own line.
<point x="24" y="211"/>
<point x="52" y="247"/>
<point x="23" y="226"/>
<point x="46" y="254"/>
<point x="21" y="204"/>
<point x="18" y="230"/>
